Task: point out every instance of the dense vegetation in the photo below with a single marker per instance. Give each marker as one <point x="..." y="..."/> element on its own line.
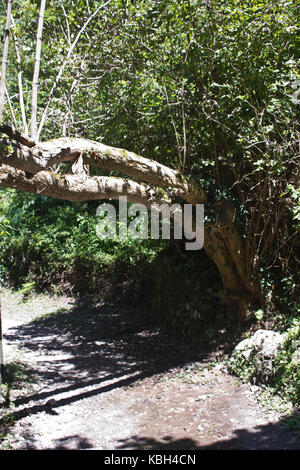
<point x="209" y="88"/>
<point x="54" y="245"/>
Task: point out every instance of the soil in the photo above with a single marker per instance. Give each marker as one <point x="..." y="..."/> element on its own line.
<point x="103" y="377"/>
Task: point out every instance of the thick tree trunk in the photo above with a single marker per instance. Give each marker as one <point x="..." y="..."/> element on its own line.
<point x="224" y="246"/>
<point x="28" y="166"/>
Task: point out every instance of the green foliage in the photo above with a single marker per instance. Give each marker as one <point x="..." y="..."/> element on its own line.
<point x="287" y="365"/>
<point x="51" y="242"/>
<point x="27" y="288"/>
<point x="245" y="369"/>
<point x="259" y="314"/>
<point x="295" y="196"/>
<point x="153" y="76"/>
<point x="292" y="423"/>
<point x="4" y="225"/>
<point x="17" y="374"/>
<point x="281" y="374"/>
<point x="200" y="86"/>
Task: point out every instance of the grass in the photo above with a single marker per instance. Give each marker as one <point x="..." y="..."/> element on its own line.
<point x="292" y="423"/>
<point x="17" y="376"/>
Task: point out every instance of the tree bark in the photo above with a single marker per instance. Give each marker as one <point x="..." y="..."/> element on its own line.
<point x="81" y="187"/>
<point x="20" y="85"/>
<point x="26" y="155"/>
<point x="4" y="57"/>
<point x="225" y="249"/>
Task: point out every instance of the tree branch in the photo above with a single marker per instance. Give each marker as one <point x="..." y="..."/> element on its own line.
<point x="124" y="162"/>
<point x="80" y="187"/>
<point x="60" y="72"/>
<point x="14" y="134"/>
<point x="27" y="156"/>
<point x="36" y="72"/>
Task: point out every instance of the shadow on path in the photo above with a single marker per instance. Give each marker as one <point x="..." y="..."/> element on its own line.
<point x="91" y="350"/>
<point x="267" y="437"/>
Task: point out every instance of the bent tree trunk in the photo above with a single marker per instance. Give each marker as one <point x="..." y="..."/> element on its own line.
<point x="29" y="166"/>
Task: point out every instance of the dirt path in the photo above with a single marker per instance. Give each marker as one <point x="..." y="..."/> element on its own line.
<point x="103" y="379"/>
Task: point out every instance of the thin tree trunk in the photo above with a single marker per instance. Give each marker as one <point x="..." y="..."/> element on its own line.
<point x="5" y="56"/>
<point x="20" y="85"/>
<point x="36" y="72"/>
<point x="10" y="107"/>
<point x="1" y="352"/>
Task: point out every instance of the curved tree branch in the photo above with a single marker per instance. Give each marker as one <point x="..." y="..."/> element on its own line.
<point x="80" y="187"/>
<point x="26" y="166"/>
<point x="27" y="156"/>
<point x="14" y="134"/>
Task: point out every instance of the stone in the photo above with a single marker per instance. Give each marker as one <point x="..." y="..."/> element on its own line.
<point x="51" y="403"/>
<point x="265" y="343"/>
<point x="259" y="353"/>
